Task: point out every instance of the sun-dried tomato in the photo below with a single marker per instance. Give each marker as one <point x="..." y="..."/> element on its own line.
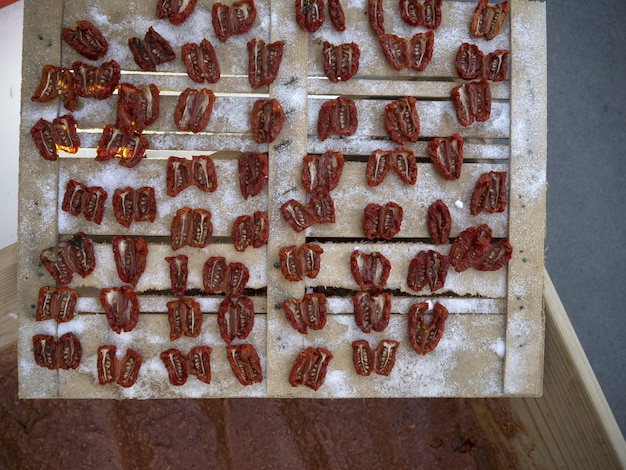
<point x="267" y="120"/>
<point x="415" y="53"/>
<point x="322" y="172"/>
<point x="128" y="368"/>
<point x="378" y="166"/>
<point x="179" y="271"/>
<point x="193" y="110"/>
<point x="63" y="354"/>
<point x="176" y="11"/>
<point x="337" y="15"/>
<point x="371" y="312"/>
<point x="376" y="16"/>
<point x="229" y="278"/>
<point x="489" y="193"/>
<point x="404" y="163"/>
<point x="56" y="303"/>
<point x="235" y="318"/>
<point x="446" y="154"/>
<point x="174" y="362"/>
<point x="199" y="171"/>
<point x="234" y="19"/>
<point x="184" y="317"/>
<point x="122" y="371"/>
<point x="299" y="262"/>
<point x="469" y="247"/>
<point x="472" y="102"/>
<point x="250" y="231"/>
<point x="136" y="107"/>
<point x="323" y="207"/>
<point x="72" y="256"/>
<point x="380" y="360"/>
<point x="498" y="255"/>
<point x="382" y="221"/>
<point x="487" y="19"/>
<point x="340" y="62"/>
<point x="53" y="137"/>
<point x="309" y="14"/>
<point x="263" y="61"/>
<point x="96" y="82"/>
<point x="469" y="61"/>
<point x="428" y="268"/>
<point x="306" y="313"/>
<point x="130" y="258"/>
<point x="201" y="62"/>
<point x="426" y="331"/>
<point x="151" y="51"/>
<point x="402" y="121"/>
<point x="439" y="222"/>
<point x="297" y="215"/>
<point x="120" y="307"/>
<point x="245" y="363"/>
<point x="86" y="39"/>
<point x="191" y="227"/>
<point x="370" y="270"/>
<point x="427" y="14"/>
<point x="106" y="361"/>
<point x="253" y="170"/>
<point x="496" y="65"/>
<point x="197" y="363"/>
<point x="134" y="205"/>
<point x="337" y="116"/>
<point x="114" y="143"/>
<point x="309" y="368"/>
<point x="56" y="82"/>
<point x="82" y="199"/>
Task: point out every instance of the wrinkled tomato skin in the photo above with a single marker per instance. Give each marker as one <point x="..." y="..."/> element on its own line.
<point x="369" y="315"/>
<point x="199" y="363"/>
<point x="134" y="205"/>
<point x="309" y="368"/>
<point x="370" y="270"/>
<point x="469" y="61"/>
<point x="472" y="102"/>
<point x="115" y="298"/>
<point x="298" y="262"/>
<point x="378" y="166"/>
<point x="151" y="51"/>
<point x="175" y="364"/>
<point x="75" y="255"/>
<point x="496" y="65"/>
<point x="381" y="360"/>
<point x="322" y="172"/>
<point x="64" y="354"/>
<point x="497" y="256"/>
<point x="338" y="116"/>
<point x="489" y="193"/>
<point x="487" y="19"/>
<point x="114" y="143"/>
<point x="235" y="19"/>
<point x="382" y="221"/>
<point x="231" y="278"/>
<point x="184" y="317"/>
<point x="96" y="82"/>
<point x="424" y="337"/>
<point x="306" y="313"/>
<point x="340" y="62"/>
<point x="193" y="110"/>
<point x="179" y="271"/>
<point x="201" y="62"/>
<point x="404" y="163"/>
<point x="191" y="227"/>
<point x="416" y="14"/>
<point x="130" y="258"/>
<point x="235" y="318"/>
<point x="60" y="134"/>
<point x="297" y="215"/>
<point x="263" y="62"/>
<point x="428" y="268"/>
<point x="250" y="231"/>
<point x="253" y="171"/>
<point x="309" y="14"/>
<point x="56" y="82"/>
<point x="446" y="153"/>
<point x="267" y="120"/>
<point x="107" y="364"/>
<point x="44" y="351"/>
<point x="86" y="39"/>
<point x="56" y="303"/>
<point x="402" y="121"/>
<point x="165" y="10"/>
<point x="245" y="364"/>
<point x="128" y="368"/>
<point x="182" y="173"/>
<point x="88" y="200"/>
<point x="136" y="107"/>
<point x="337" y="16"/>
<point x="469" y="247"/>
<point x="439" y="222"/>
<point x="376" y="16"/>
<point x="415" y="53"/>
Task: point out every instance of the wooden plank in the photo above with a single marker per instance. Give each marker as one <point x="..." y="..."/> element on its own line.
<point x="8" y="298"/>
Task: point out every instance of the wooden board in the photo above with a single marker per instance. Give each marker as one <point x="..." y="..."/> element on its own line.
<point x="493" y="343"/>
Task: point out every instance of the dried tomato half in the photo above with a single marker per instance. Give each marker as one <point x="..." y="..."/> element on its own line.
<point x="322" y="172"/>
<point x="182" y="173"/>
<point x="340" y="62"/>
<point x="371" y="312"/>
<point x="253" y="170"/>
<point x="469" y="61"/>
<point x="299" y="262"/>
<point x="306" y="313"/>
<point x="416" y="52"/>
<point x="197" y="363"/>
<point x="184" y="317"/>
<point x="72" y="256"/>
<point x="382" y="221"/>
<point x="191" y="227"/>
<point x="114" y="143"/>
<point x="472" y="102"/>
<point x="337" y="116"/>
<point x="439" y="222"/>
<point x="380" y="360"/>
<point x="469" y="247"/>
<point x="134" y="205"/>
<point x="130" y="258"/>
<point x="337" y="15"/>
<point x="267" y="120"/>
<point x="107" y="364"/>
<point x="489" y="193"/>
<point x="245" y="363"/>
<point x="370" y="270"/>
<point x="297" y="215"/>
<point x="402" y="121"/>
<point x="56" y="303"/>
<point x="425" y="330"/>
<point x="309" y="14"/>
<point x="446" y="154"/>
<point x="151" y="51"/>
<point x="201" y="62"/>
<point x="309" y="368"/>
<point x="263" y="61"/>
<point x="63" y="354"/>
<point x="323" y="207"/>
<point x="122" y="371"/>
<point x="404" y="163"/>
<point x="96" y="82"/>
<point x="136" y="107"/>
<point x="82" y="199"/>
<point x="376" y="16"/>
<point x="86" y="39"/>
<point x="250" y="231"/>
<point x="174" y="362"/>
<point x="235" y="318"/>
<point x="378" y="166"/>
<point x="120" y="307"/>
<point x="427" y="14"/>
<point x="487" y="19"/>
<point x="428" y="268"/>
<point x="176" y="11"/>
<point x="55" y="136"/>
<point x="219" y="276"/>
<point x="128" y="369"/>
<point x="498" y="255"/>
<point x="234" y="19"/>
<point x="496" y="65"/>
<point x="193" y="110"/>
<point x="56" y="82"/>
<point x="179" y="271"/>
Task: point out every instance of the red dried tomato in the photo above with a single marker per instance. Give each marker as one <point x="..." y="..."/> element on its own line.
<point x="182" y="173"/>
<point x="428" y="268"/>
<point x="371" y="312"/>
<point x="56" y="82"/>
<point x="55" y="136"/>
<point x="323" y="207"/>
<point x="337" y="16"/>
<point x="63" y="354"/>
<point x="136" y="108"/>
<point x="72" y="256"/>
<point x="253" y="171"/>
<point x="263" y="61"/>
<point x="134" y="205"/>
<point x="496" y="65"/>
<point x="193" y="110"/>
<point x="337" y="116"/>
<point x="382" y="221"/>
<point x="439" y="222"/>
<point x="96" y="82"/>
<point x="198" y="363"/>
<point x="151" y="51"/>
<point x="404" y="163"/>
<point x="425" y="333"/>
<point x="416" y="52"/>
<point x="267" y="120"/>
<point x="489" y="193"/>
<point x="297" y="215"/>
<point x="298" y="262"/>
<point x="86" y="39"/>
<point x="235" y="318"/>
<point x="56" y="303"/>
<point x="446" y="154"/>
<point x="370" y="270"/>
<point x="234" y="19"/>
<point x="245" y="364"/>
<point x="179" y="366"/>
<point x="82" y="199"/>
<point x="309" y="368"/>
<point x="179" y="272"/>
<point x="201" y="62"/>
<point x="114" y="143"/>
<point x="402" y="121"/>
<point x="184" y="317"/>
<point x="250" y="231"/>
<point x="322" y="172"/>
<point x="417" y="14"/>
<point x="469" y="247"/>
<point x="121" y="307"/>
<point x="128" y="369"/>
<point x="378" y="165"/>
<point x="309" y="14"/>
<point x="487" y="19"/>
<point x="130" y="258"/>
<point x="191" y="227"/>
<point x="218" y="276"/>
<point x="498" y="255"/>
<point x="469" y="61"/>
<point x="175" y="363"/>
<point x="107" y="364"/>
<point x="472" y="102"/>
<point x="340" y="62"/>
<point x="306" y="313"/>
<point x="376" y="16"/>
<point x="176" y="11"/>
<point x="381" y="360"/>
